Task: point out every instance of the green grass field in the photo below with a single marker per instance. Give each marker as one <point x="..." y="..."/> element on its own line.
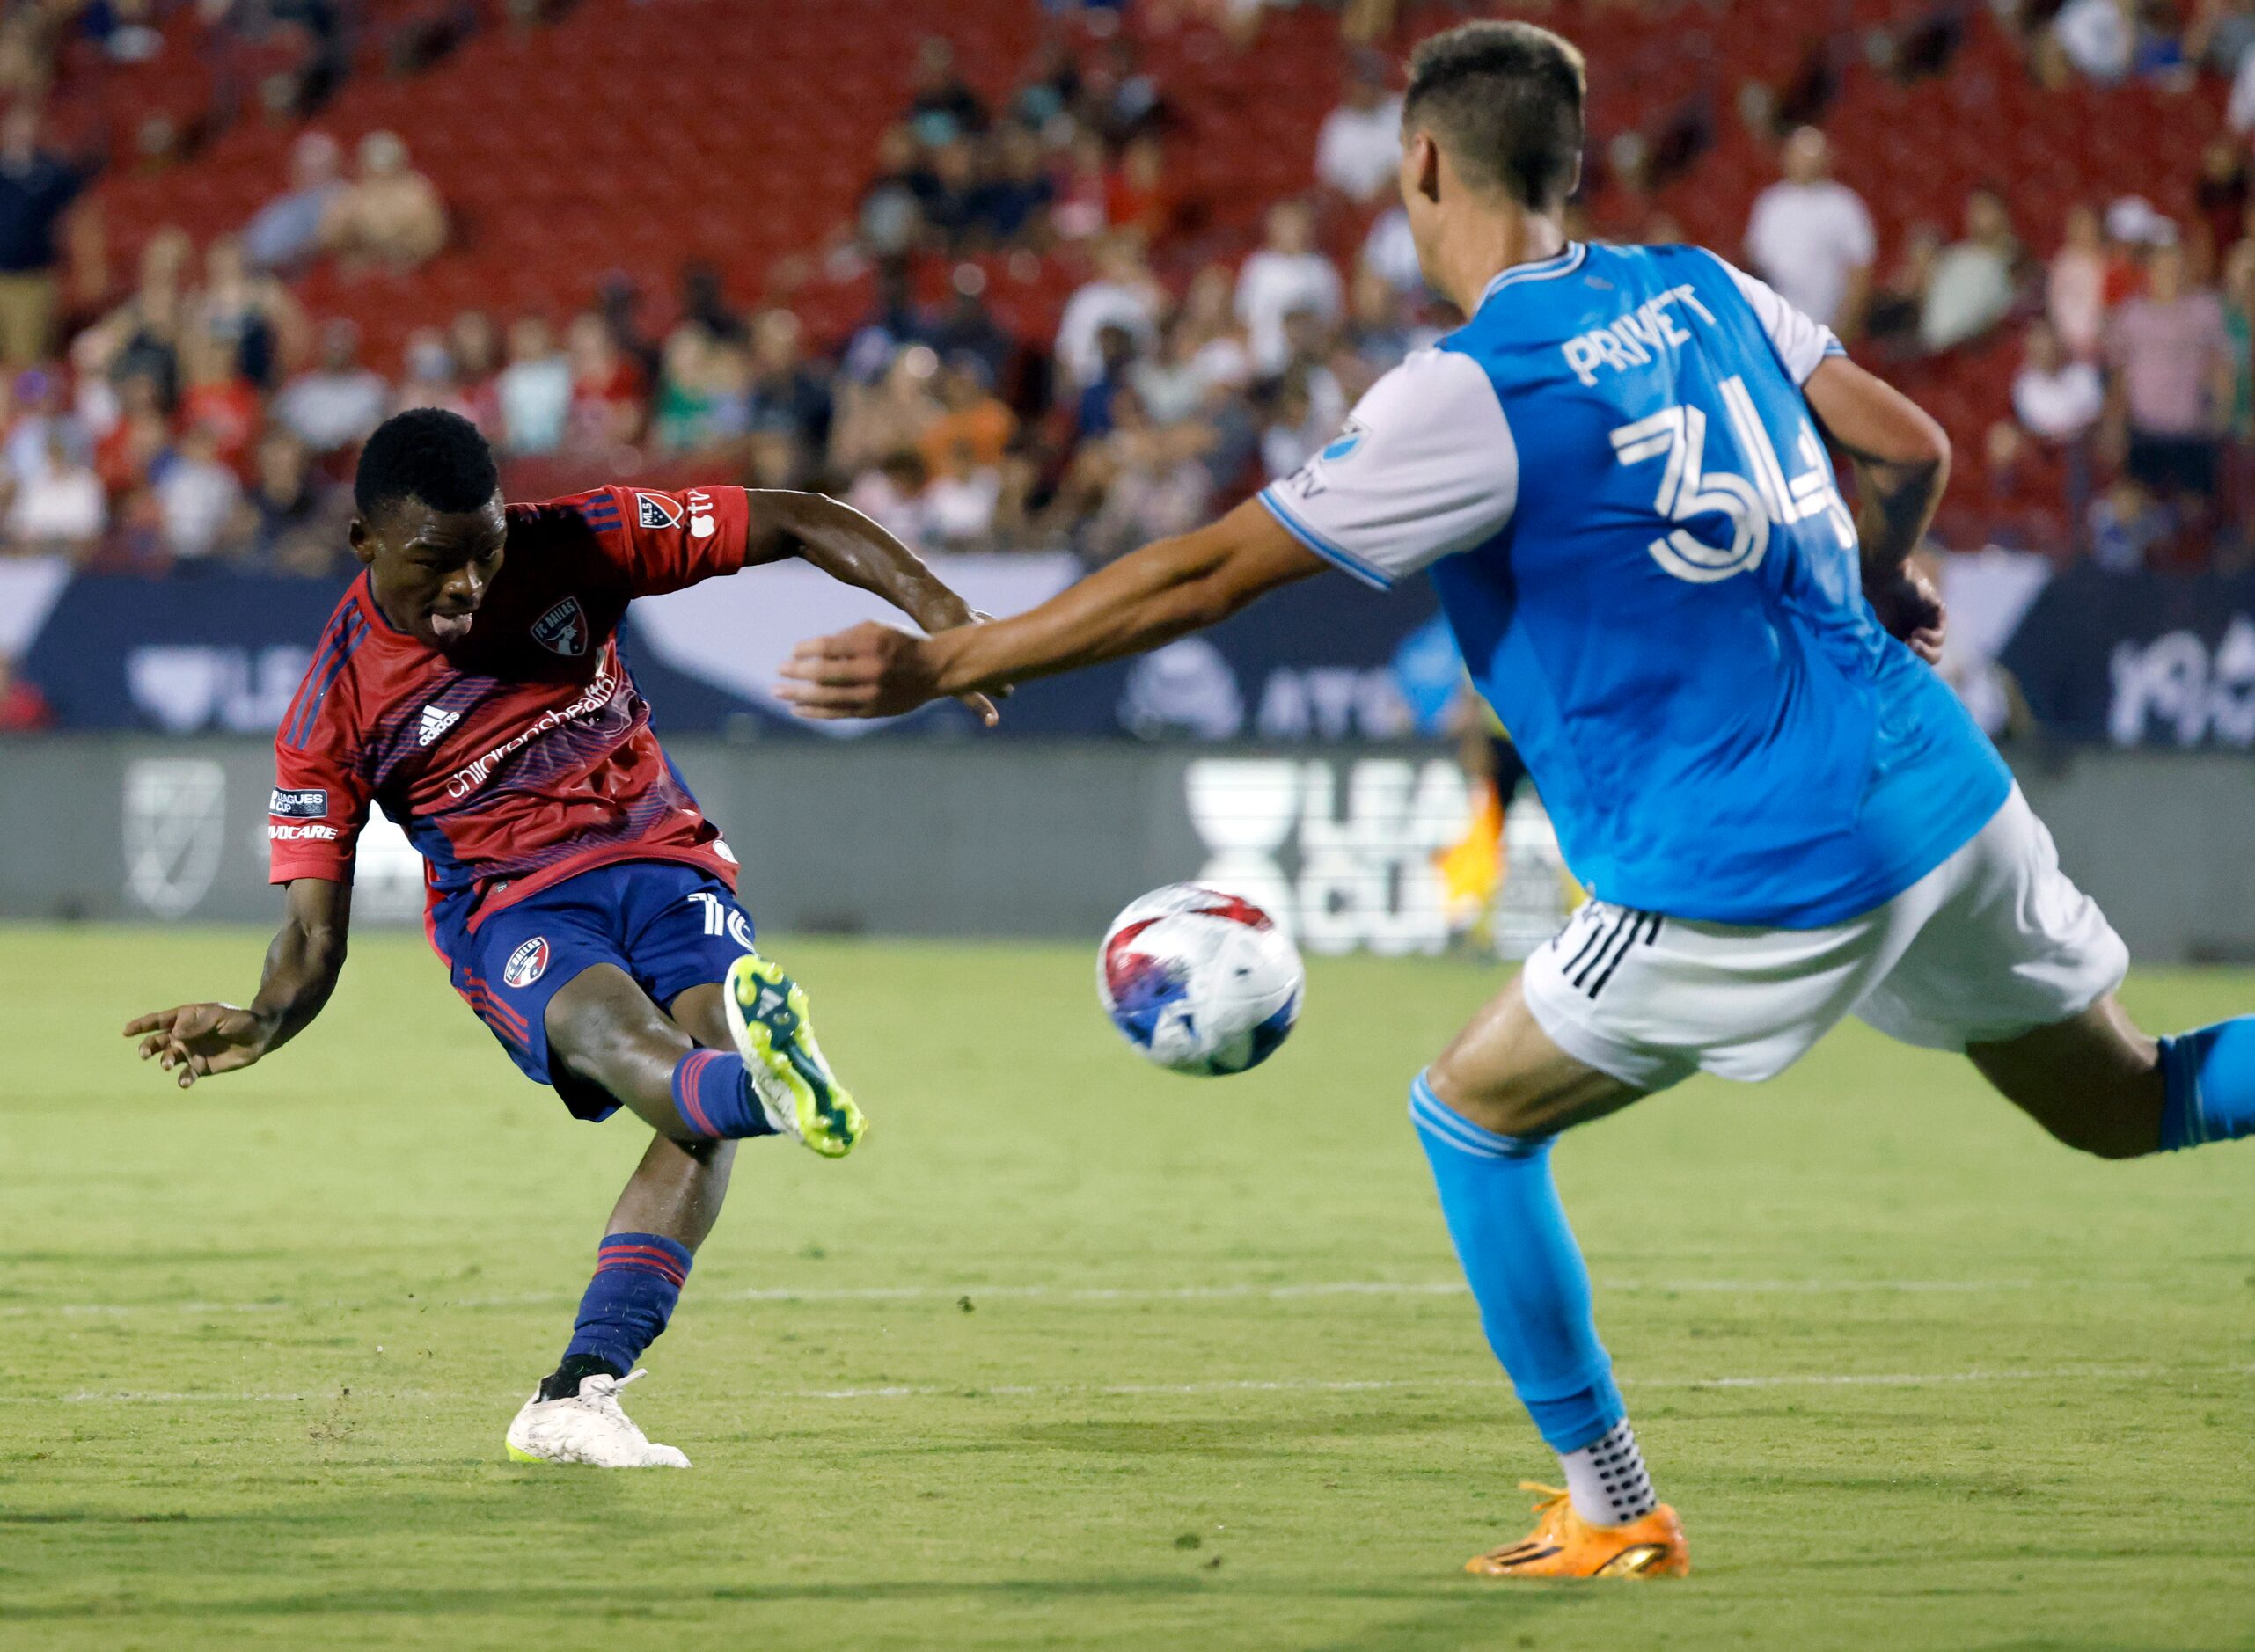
<point x="1079" y="1354"/>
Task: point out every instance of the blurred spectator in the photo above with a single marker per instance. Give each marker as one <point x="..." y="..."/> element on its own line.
<point x="36" y="187"/>
<point x="790" y="401"/>
<point x="1286" y="275"/>
<point x="2127" y="526"/>
<point x="1970" y="289"/>
<point x="1048" y="86"/>
<point x="59" y="508"/>
<point x="682" y="419"/>
<point x="142" y="336"/>
<point x="1117" y="98"/>
<point x="1011" y="205"/>
<point x="891" y="493"/>
<point x="430" y="379"/>
<point x="1811" y="238"/>
<point x="968" y="327"/>
<point x="942" y="107"/>
<point x="2220" y="33"/>
<point x="960" y="499"/>
<point x="2239" y="331"/>
<point x="139" y="444"/>
<point x="890" y="219"/>
<point x="947" y="214"/>
<point x="40" y="416"/>
<point x="24" y="710"/>
<point x="2098" y="36"/>
<point x="1359" y="147"/>
<point x="2220" y="194"/>
<point x="1122" y="295"/>
<point x="605" y="408"/>
<point x="294" y="523"/>
<point x="1082" y="193"/>
<point x="219" y="401"/>
<point x="475" y="351"/>
<point x="391" y="216"/>
<point x="2016" y="505"/>
<point x="1896" y="307"/>
<point x="2134" y="227"/>
<point x="2076" y="288"/>
<point x="1391" y="251"/>
<point x="704" y="300"/>
<point x="2173" y="382"/>
<point x="892" y="323"/>
<point x="1139" y="199"/>
<point x="2055" y="397"/>
<point x="248" y="313"/>
<point x="971" y="420"/>
<point x="1293" y="431"/>
<point x="1216" y="342"/>
<point x="337" y="402"/>
<point x="198" y="494"/>
<point x="1094" y="412"/>
<point x="287" y="231"/>
<point x="875" y="421"/>
<point x="534" y="390"/>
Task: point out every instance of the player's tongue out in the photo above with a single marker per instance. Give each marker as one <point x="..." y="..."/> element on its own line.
<point x="452" y="628"/>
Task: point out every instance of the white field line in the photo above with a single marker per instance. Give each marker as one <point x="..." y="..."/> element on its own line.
<point x="1291" y="1385"/>
<point x="1098" y="1293"/>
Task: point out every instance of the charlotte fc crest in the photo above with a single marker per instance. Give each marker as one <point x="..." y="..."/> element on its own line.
<point x="562" y="629"/>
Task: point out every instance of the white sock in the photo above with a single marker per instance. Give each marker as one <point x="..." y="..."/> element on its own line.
<point x="1607" y="1479"/>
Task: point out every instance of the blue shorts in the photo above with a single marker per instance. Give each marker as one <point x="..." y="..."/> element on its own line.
<point x="670" y="927"/>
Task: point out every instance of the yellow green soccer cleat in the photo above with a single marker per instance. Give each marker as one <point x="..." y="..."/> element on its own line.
<point x="767" y="1016"/>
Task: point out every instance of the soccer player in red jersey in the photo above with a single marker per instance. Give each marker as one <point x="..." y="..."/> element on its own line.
<point x="470" y="684"/>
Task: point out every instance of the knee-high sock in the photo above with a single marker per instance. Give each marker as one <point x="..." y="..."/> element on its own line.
<point x="638" y="1279"/>
<point x="712" y="1091"/>
<point x="1525" y="1270"/>
<point x="2210" y="1074"/>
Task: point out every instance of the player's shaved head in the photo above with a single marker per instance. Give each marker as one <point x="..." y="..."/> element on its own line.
<point x="429" y="455"/>
<point x="1504" y="100"/>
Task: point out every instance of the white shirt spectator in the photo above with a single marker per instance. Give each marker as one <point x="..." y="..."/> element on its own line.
<point x="2098" y="37"/>
<point x="1358" y="151"/>
<point x="1391" y="250"/>
<point x="535" y="403"/>
<point x="329" y="410"/>
<point x="1101" y="304"/>
<point x="62" y="506"/>
<point x="960" y="509"/>
<point x="1272" y="285"/>
<point x="2059" y="405"/>
<point x="198" y="496"/>
<point x="1806" y="240"/>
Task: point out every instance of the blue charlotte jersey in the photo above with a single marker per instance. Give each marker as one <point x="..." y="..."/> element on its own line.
<point x="1637" y="538"/>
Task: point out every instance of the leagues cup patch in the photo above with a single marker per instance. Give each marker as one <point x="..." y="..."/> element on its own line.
<point x="655" y="510"/>
<point x="297" y="805"/>
<point x="527" y="964"/>
<point x="562" y="629"/>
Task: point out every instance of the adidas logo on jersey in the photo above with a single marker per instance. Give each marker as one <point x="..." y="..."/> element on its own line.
<point x="436" y="721"/>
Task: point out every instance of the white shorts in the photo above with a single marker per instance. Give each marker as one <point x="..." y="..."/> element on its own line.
<point x="1993" y="942"/>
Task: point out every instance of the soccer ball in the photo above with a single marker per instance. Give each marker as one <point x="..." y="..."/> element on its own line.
<point x="1199" y="981"/>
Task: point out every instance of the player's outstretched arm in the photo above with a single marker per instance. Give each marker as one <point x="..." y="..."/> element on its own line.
<point x="855" y="550"/>
<point x="1901" y="458"/>
<point x="195" y="1040"/>
<point x="1166" y="589"/>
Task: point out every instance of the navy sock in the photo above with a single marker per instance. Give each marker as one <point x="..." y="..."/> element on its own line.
<point x="2210" y="1074"/>
<point x="1525" y="1270"/>
<point x="638" y="1278"/>
<point x="712" y="1094"/>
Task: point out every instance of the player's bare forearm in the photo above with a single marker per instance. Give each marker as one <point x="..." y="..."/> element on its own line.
<point x="1150" y="596"/>
<point x="193" y="1041"/>
<point x="1900" y="455"/>
<point x="855" y="550"/>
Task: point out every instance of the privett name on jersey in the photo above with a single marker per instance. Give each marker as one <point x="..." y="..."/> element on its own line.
<point x="1637" y="337"/>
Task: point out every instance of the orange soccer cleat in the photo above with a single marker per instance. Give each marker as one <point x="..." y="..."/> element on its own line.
<point x="1564" y="1545"/>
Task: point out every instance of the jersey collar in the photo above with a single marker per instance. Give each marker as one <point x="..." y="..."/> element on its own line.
<point x="1564" y="264"/>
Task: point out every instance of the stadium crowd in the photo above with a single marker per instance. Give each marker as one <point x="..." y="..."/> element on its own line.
<point x="204" y="418"/>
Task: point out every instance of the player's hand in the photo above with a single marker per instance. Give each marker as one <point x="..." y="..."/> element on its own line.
<point x="1911" y="609"/>
<point x="196" y="1040"/>
<point x="872" y="670"/>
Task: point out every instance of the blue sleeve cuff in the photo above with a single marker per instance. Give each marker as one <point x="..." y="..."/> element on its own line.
<point x="1369" y="573"/>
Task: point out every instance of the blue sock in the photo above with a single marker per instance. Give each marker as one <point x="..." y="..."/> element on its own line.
<point x="713" y="1094"/>
<point x="638" y="1278"/>
<point x="2210" y="1075"/>
<point x="1525" y="1270"/>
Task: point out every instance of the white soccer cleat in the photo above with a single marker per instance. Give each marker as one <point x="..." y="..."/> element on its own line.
<point x="587" y="1427"/>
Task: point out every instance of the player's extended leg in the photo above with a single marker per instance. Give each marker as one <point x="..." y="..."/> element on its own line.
<point x="2098" y="1083"/>
<point x="1487" y="1112"/>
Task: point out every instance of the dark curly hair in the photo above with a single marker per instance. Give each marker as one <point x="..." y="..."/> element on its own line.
<point x="426" y="454"/>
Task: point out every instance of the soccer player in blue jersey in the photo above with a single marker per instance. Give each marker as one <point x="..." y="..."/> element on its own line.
<point x="1616" y="474"/>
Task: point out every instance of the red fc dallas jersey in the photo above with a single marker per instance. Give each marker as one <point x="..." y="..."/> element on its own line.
<point x="521" y="756"/>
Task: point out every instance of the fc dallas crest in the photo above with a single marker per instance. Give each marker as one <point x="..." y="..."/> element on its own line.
<point x="562" y="629"/>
